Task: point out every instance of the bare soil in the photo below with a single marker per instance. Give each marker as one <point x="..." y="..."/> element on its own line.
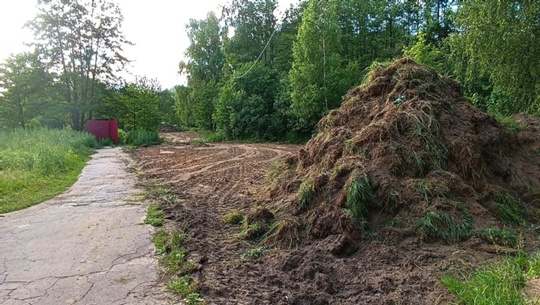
<point x="216" y="179"/>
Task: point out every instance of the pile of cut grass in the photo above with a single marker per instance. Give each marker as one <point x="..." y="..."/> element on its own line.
<point x="36" y="165"/>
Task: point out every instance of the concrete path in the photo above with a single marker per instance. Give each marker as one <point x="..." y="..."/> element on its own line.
<point x="87" y="246"/>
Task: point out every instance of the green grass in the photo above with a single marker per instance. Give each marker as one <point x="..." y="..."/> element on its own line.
<point x="255" y="253"/>
<point x="441" y="226"/>
<point x="510" y="211"/>
<point x="173" y="260"/>
<point x="36" y="165"/>
<point x="306" y="193"/>
<point x="186" y="288"/>
<point x="499" y="237"/>
<point x="154" y="215"/>
<point x="233" y="218"/>
<point x="359" y="199"/>
<point x="501" y="283"/>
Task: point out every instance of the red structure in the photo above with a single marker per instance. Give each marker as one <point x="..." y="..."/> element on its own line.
<point x="103" y="129"/>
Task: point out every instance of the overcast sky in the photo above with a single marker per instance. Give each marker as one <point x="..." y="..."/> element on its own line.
<point x="157" y="28"/>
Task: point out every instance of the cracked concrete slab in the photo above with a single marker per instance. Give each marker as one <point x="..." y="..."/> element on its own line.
<point x="86" y="246"/>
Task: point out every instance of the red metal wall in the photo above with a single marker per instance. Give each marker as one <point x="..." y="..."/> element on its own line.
<point x="102" y="129"/>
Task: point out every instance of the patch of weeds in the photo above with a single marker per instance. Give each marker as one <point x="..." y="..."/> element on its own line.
<point x="154" y="215"/>
<point x="306" y="193"/>
<point x="197" y="141"/>
<point x="537" y="152"/>
<point x="508" y="206"/>
<point x="255" y="253"/>
<point x="419" y="164"/>
<point x="160" y="240"/>
<point x="441" y="226"/>
<point x="186" y="288"/>
<point x="499" y="237"/>
<point x="276" y="172"/>
<point x="431" y="189"/>
<point x="359" y="199"/>
<point x="252" y="230"/>
<point x="501" y="283"/>
<point x="233" y="218"/>
<point x="509" y="123"/>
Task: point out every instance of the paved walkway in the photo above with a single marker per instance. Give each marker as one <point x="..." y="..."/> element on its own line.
<point x="87" y="246"/>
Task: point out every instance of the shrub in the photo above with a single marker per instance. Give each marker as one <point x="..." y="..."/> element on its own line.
<point x="139" y="138"/>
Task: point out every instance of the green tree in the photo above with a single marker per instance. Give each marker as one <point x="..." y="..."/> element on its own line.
<point x="81" y="42"/>
<point x="499" y="40"/>
<point x="28" y="90"/>
<point x="204" y="71"/>
<point x="319" y="76"/>
<point x="136" y="105"/>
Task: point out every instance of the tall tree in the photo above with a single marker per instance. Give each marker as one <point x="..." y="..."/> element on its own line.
<point x="81" y="42"/>
<point x="203" y="68"/>
<point x="500" y="40"/>
<point x="28" y="89"/>
<point x="319" y="76"/>
<point x="254" y="25"/>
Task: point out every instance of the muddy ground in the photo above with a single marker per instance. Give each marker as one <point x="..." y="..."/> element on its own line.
<point x="216" y="178"/>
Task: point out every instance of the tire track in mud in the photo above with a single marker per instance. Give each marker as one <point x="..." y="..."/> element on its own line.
<point x="213" y="180"/>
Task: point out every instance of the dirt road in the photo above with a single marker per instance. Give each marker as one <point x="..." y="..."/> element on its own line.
<point x="87" y="246"/>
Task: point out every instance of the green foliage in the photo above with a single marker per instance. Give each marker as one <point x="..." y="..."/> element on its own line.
<point x="36" y="165"/>
<point x="306" y="193"/>
<point x="508" y="122"/>
<point x="509" y="209"/>
<point x="255" y="253"/>
<point x="499" y="237"/>
<point x="501" y="283"/>
<point x="359" y="199"/>
<point x="441" y="226"/>
<point x="319" y="76"/>
<point x="137" y="105"/>
<point x="498" y="43"/>
<point x="154" y="215"/>
<point x="233" y="218"/>
<point x="28" y="92"/>
<point x="81" y="43"/>
<point x="139" y="138"/>
<point x="173" y="256"/>
<point x="186" y="288"/>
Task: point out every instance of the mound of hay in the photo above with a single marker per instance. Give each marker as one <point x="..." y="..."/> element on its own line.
<point x="407" y="154"/>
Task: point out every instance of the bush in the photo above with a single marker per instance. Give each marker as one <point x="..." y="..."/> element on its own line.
<point x="139" y="138"/>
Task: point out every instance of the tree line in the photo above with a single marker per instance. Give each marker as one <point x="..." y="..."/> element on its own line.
<point x="254" y="74"/>
<point x="73" y="73"/>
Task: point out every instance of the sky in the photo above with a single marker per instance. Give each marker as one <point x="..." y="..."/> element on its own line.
<point x="157" y="28"/>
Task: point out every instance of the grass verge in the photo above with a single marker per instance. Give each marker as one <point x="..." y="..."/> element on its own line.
<point x="502" y="283"/>
<point x="36" y="165"/>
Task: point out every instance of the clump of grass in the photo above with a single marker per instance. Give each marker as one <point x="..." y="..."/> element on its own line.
<point x="36" y="165"/>
<point x="509" y="123"/>
<point x="173" y="255"/>
<point x="140" y="138"/>
<point x="252" y="230"/>
<point x="441" y="226"/>
<point x="431" y="189"/>
<point x="154" y="215"/>
<point x="233" y="218"/>
<point x="510" y="212"/>
<point x="501" y="283"/>
<point x="359" y="199"/>
<point x="255" y="253"/>
<point x="306" y="193"/>
<point x="499" y="237"/>
<point x="186" y="288"/>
